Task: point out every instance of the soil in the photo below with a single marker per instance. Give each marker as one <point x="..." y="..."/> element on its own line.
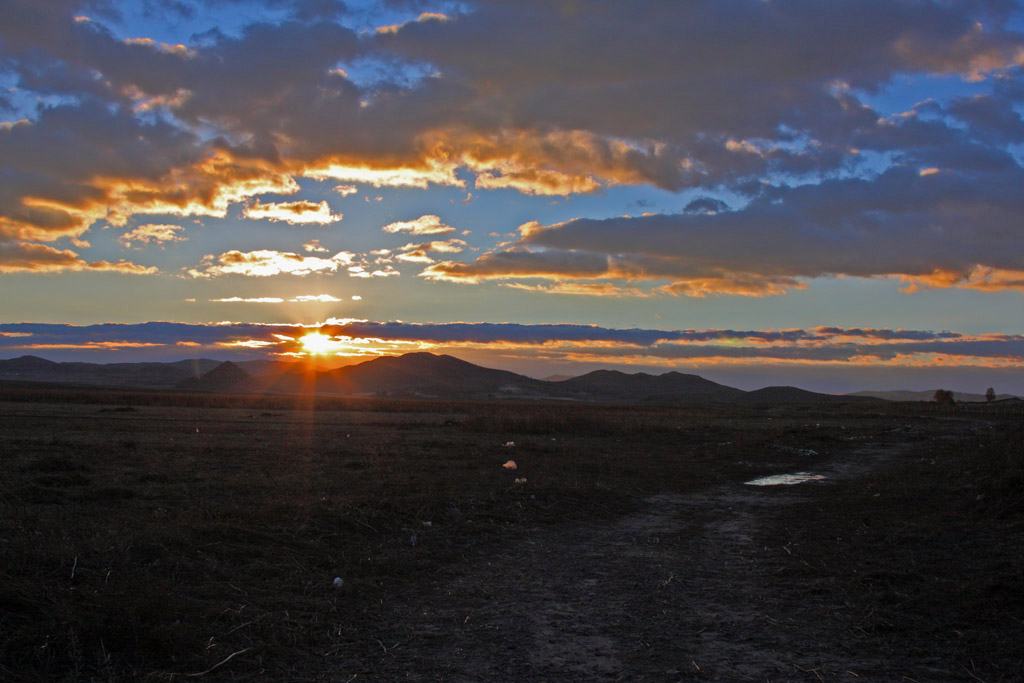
<point x="680" y="589"/>
<point x="691" y="586"/>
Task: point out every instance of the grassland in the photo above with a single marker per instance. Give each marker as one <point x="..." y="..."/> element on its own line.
<point x="162" y="536"/>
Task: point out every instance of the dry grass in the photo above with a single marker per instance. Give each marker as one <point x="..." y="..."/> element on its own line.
<point x="146" y="535"/>
<point x="926" y="559"/>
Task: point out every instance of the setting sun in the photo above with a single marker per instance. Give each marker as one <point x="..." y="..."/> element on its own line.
<point x="317" y="344"/>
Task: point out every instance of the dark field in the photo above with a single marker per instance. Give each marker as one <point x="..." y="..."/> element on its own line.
<point x="161" y="536"/>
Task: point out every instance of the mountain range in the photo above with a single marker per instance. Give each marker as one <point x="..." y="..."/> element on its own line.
<point x="423" y="375"/>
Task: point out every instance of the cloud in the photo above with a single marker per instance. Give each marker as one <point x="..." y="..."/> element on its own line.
<point x="152" y="234"/>
<point x="417" y="253"/>
<point x="121" y="266"/>
<point x="425" y="16"/>
<point x="302" y="298"/>
<point x="414" y="256"/>
<point x="933" y="230"/>
<point x="267" y="262"/>
<point x="709" y="95"/>
<point x="977" y="277"/>
<point x="314" y="247"/>
<point x="452" y="246"/>
<point x="295" y="213"/>
<point x="504" y="333"/>
<point x="424" y="225"/>
<point x="823" y="346"/>
<point x="364" y="270"/>
<point x="706" y="205"/>
<point x="24" y="257"/>
<point x="582" y="289"/>
<point x="421" y="175"/>
<point x="735" y="285"/>
<point x="522" y="263"/>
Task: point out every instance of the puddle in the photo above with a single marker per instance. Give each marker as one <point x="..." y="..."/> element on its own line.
<point x="785" y="479"/>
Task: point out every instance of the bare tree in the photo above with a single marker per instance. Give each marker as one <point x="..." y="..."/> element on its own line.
<point x="944" y="397"/>
<point x="990" y="394"/>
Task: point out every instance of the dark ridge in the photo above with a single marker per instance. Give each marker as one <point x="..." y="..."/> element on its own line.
<point x="427" y="374"/>
<point x="225" y="377"/>
<point x="422" y="375"/>
<point x="795" y="395"/>
<point x="25" y="363"/>
<point x="670" y="387"/>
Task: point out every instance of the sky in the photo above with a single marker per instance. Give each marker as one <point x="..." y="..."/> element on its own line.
<point x="821" y="193"/>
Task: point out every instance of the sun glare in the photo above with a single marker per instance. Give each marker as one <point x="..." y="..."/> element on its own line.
<point x="317" y="344"/>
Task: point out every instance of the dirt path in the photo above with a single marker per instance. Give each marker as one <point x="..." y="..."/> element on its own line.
<point x="680" y="589"/>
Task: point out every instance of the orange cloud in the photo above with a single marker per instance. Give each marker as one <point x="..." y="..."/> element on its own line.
<point x="536" y="181"/>
<point x="424" y="225"/>
<point x="740" y="285"/>
<point x="364" y="271"/>
<point x="301" y="299"/>
<point x="267" y="262"/>
<point x="301" y="212"/>
<point x="152" y="234"/>
<point x="202" y="132"/>
<point x="430" y="171"/>
<point x="582" y="289"/>
<point x="18" y="257"/>
<point x="982" y="278"/>
<point x="452" y="246"/>
<point x="417" y="253"/>
<point x="547" y="162"/>
<point x="414" y="256"/>
<point x="122" y="266"/>
<point x="425" y="16"/>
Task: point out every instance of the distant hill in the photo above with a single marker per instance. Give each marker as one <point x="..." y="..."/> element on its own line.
<point x="157" y="375"/>
<point x="227" y="377"/>
<point x="423" y="375"/>
<point x="795" y="395"/>
<point x="671" y="387"/>
<point x="25" y="365"/>
<point x="427" y="374"/>
<point x="557" y="378"/>
<point x="900" y="395"/>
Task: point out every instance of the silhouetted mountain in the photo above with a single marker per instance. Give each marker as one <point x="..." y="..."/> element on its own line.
<point x="227" y="376"/>
<point x="557" y="378"/>
<point x="671" y="387"/>
<point x="411" y="375"/>
<point x="794" y="395"/>
<point x="33" y="369"/>
<point x="426" y="374"/>
<point x="25" y="364"/>
<point x="258" y="368"/>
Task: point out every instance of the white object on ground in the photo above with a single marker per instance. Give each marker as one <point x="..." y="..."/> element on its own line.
<point x="785" y="479"/>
